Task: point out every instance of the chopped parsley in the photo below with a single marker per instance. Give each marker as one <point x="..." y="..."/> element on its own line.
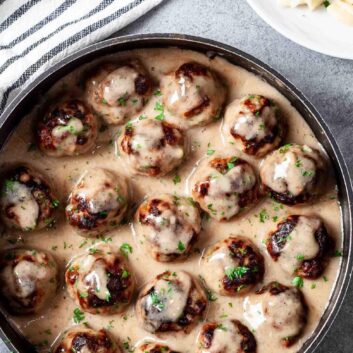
<point x="231" y="162"/>
<point x="236" y="272"/>
<point x="338" y="253"/>
<point x="125" y="249"/>
<point x="122" y="101"/>
<point x="300" y="257"/>
<point x="298" y="282"/>
<point x="157" y="302"/>
<point x="308" y="173"/>
<point x="157" y="93"/>
<point x="125" y="274"/>
<point x="263" y="215"/>
<point x="176" y="179"/>
<point x="55" y="203"/>
<point x="159" y="108"/>
<point x="327" y="3"/>
<point x="285" y="148"/>
<point x="78" y="316"/>
<point x="181" y="246"/>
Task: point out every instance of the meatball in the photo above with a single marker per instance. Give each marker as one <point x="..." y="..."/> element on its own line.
<point x="277" y="311"/>
<point x="292" y="174"/>
<point x="194" y="94"/>
<point x="81" y="339"/>
<point x="153" y="347"/>
<point x="29" y="280"/>
<point x="68" y="129"/>
<point x="229" y="336"/>
<point x="26" y="200"/>
<point x="173" y="301"/>
<point x="223" y="186"/>
<point x="151" y="147"/>
<point x="119" y="92"/>
<point x="170" y="225"/>
<point x="253" y="123"/>
<point x="100" y="281"/>
<point x="98" y="202"/>
<point x="233" y="266"/>
<point x="300" y="245"/>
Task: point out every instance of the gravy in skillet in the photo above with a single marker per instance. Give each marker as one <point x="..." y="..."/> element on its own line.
<point x="176" y="202"/>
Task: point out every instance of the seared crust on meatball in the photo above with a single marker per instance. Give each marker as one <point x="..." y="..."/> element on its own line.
<point x="29" y="280"/>
<point x="118" y="91"/>
<point x="68" y="128"/>
<point x="285" y="311"/>
<point x="81" y="339"/>
<point x="227" y="336"/>
<point x="153" y="347"/>
<point x="301" y="245"/>
<point x="254" y="123"/>
<point x="233" y="266"/>
<point x="101" y="281"/>
<point x="173" y="301"/>
<point x="98" y="202"/>
<point x="224" y="186"/>
<point x="170" y="225"/>
<point x="27" y="202"/>
<point x="194" y="94"/>
<point x="292" y="174"/>
<point x="151" y="147"/>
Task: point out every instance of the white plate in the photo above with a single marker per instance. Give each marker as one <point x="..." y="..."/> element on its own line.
<point x="316" y="30"/>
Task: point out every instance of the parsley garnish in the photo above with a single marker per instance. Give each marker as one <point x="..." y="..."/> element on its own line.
<point x="176" y="179"/>
<point x="298" y="282"/>
<point x="125" y="249"/>
<point x="231" y="162"/>
<point x="236" y="272"/>
<point x="157" y="302"/>
<point x="159" y="108"/>
<point x="181" y="246"/>
<point x="78" y="316"/>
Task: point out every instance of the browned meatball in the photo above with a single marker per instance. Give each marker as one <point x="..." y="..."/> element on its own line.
<point x="229" y="336"/>
<point x="98" y="202"/>
<point x="81" y="339"/>
<point x="194" y="94"/>
<point x="170" y="225"/>
<point x="278" y="312"/>
<point x="151" y="147"/>
<point x="253" y="123"/>
<point x="69" y="128"/>
<point x="292" y="174"/>
<point x="224" y="186"/>
<point x="300" y="245"/>
<point x="153" y="347"/>
<point x="233" y="266"/>
<point x="27" y="202"/>
<point x="29" y="280"/>
<point x="173" y="301"/>
<point x="101" y="281"/>
<point x="119" y="91"/>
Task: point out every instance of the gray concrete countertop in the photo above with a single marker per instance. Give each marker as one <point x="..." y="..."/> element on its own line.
<point x="326" y="81"/>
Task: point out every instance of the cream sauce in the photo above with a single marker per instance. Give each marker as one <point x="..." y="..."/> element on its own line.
<point x="65" y="244"/>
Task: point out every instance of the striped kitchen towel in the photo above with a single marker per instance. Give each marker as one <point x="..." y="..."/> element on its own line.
<point x="36" y="34"/>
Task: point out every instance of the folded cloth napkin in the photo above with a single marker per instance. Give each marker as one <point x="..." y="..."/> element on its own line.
<point x="36" y="34"/>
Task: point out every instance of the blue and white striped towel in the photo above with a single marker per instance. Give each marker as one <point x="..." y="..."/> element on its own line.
<point x="36" y="34"/>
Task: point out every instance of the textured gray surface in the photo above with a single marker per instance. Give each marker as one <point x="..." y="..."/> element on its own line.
<point x="326" y="81"/>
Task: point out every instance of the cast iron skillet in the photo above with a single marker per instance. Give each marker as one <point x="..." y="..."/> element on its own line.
<point x="23" y="103"/>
